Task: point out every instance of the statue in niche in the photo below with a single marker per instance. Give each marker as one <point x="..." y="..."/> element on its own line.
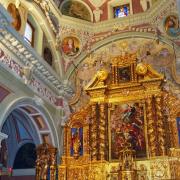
<point x="76" y="142"/>
<point x="14" y="12"/>
<point x="172" y="26"/>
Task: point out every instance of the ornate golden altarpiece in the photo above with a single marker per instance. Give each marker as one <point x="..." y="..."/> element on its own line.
<point x="124" y="132"/>
<point x="46" y="162"/>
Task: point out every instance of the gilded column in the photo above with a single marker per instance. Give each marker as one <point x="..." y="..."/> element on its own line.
<point x="93" y="143"/>
<point x="151" y="128"/>
<point x="160" y="126"/>
<point x="65" y="140"/>
<point x="102" y="137"/>
<point x="116" y="75"/>
<point x="172" y="105"/>
<point x="113" y="74"/>
<point x="53" y="166"/>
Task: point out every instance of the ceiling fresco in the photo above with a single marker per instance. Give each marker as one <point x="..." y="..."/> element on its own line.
<point x="76" y="9"/>
<point x="158" y="54"/>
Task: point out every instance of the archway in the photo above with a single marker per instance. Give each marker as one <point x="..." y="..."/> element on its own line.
<point x="26" y="127"/>
<point x="25" y="157"/>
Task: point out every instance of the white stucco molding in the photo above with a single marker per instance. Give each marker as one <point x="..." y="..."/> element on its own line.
<point x="27" y="56"/>
<point x="178" y="7"/>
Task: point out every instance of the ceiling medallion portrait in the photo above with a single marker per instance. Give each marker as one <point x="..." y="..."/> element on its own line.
<point x="14" y="12"/>
<point x="171" y="25"/>
<point x="70" y="46"/>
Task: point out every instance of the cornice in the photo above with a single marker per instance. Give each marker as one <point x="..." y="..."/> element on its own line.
<point x="148" y="17"/>
<point x="27" y="56"/>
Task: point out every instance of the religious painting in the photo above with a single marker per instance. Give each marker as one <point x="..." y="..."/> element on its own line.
<point x="76" y="9"/>
<point x="127" y="126"/>
<point x="14" y="12"/>
<point x="121" y="11"/>
<point x="124" y="74"/>
<point x="178" y="128"/>
<point x="70" y="46"/>
<point x="76" y="141"/>
<point x="171" y="25"/>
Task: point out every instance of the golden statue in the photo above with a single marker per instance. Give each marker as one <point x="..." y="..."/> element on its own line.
<point x="76" y="144"/>
<point x="44" y="167"/>
<point x="46" y="159"/>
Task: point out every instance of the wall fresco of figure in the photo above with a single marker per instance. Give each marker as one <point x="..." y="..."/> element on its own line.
<point x="76" y="9"/>
<point x="159" y="55"/>
<point x="14" y="12"/>
<point x="171" y="24"/>
<point x="70" y="46"/>
<point x="127" y="126"/>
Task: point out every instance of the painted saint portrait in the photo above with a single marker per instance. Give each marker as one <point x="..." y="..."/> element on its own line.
<point x="172" y="27"/>
<point x="76" y="141"/>
<point x="127" y="126"/>
<point x="124" y="74"/>
<point x="70" y="46"/>
<point x="178" y="128"/>
<point x="14" y="12"/>
<point x="76" y="9"/>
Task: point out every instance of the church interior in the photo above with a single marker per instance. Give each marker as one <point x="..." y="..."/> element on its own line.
<point x="89" y="89"/>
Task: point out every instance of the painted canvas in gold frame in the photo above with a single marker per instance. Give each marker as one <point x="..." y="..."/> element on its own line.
<point x="127" y="123"/>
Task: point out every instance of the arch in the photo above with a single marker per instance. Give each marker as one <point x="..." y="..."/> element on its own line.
<point x="80" y="2"/>
<point x="24" y="102"/>
<point x="114" y="38"/>
<point x="25" y="157"/>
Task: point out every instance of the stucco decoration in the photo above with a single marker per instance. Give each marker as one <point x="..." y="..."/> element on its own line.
<point x="144" y="4"/>
<point x="97" y="12"/>
<point x="160" y="56"/>
<point x="76" y="9"/>
<point x="97" y="3"/>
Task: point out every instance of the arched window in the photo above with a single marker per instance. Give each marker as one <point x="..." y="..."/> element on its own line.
<point x="29" y="33"/>
<point x="148" y="5"/>
<point x="48" y="56"/>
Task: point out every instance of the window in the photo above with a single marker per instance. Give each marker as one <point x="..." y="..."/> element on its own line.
<point x="121" y="11"/>
<point x="48" y="56"/>
<point x="148" y="4"/>
<point x="29" y="33"/>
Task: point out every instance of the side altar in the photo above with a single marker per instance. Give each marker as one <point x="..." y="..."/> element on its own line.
<point x="124" y="132"/>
